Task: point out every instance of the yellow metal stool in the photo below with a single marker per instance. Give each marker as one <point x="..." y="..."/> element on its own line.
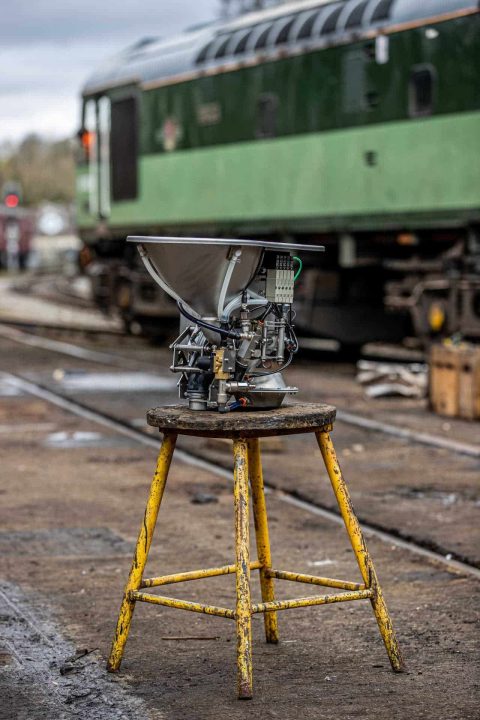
<point x="245" y="429"/>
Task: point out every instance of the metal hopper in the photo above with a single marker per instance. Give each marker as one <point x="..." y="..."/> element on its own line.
<point x="203" y="273"/>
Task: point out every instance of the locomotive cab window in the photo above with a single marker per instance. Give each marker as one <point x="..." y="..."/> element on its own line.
<point x="267" y="106"/>
<point x="123" y="149"/>
<point x="421" y="91"/>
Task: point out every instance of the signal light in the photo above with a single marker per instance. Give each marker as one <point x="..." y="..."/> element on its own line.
<point x="11" y="200"/>
<point x="87" y="140"/>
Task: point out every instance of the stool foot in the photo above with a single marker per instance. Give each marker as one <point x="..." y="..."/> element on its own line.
<point x="243" y="613"/>
<point x="141" y="551"/>
<point x="362" y="555"/>
<point x="262" y="536"/>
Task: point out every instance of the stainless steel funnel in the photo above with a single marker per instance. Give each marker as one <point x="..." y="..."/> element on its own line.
<point x="205" y="273"/>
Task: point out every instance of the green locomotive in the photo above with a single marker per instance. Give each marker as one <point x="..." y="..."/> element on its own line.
<point x="354" y="124"/>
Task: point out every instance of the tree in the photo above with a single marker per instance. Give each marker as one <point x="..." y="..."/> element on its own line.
<point x="45" y="169"/>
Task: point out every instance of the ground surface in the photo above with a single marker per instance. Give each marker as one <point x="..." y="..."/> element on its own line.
<point x="72" y="496"/>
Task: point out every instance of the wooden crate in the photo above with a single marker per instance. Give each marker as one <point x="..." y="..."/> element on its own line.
<point x="455" y="380"/>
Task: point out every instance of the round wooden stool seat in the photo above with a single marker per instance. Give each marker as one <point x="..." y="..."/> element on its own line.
<point x="286" y="420"/>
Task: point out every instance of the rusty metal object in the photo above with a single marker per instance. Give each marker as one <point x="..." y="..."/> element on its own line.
<point x="182" y="604"/>
<point x="141" y="551"/>
<point x="242" y="551"/>
<point x="195" y="575"/>
<point x="314" y="580"/>
<point x="359" y="546"/>
<point x="262" y="536"/>
<point x="245" y="430"/>
<point x="268" y="607"/>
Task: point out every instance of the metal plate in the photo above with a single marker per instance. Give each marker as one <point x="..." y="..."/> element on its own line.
<point x="139" y="239"/>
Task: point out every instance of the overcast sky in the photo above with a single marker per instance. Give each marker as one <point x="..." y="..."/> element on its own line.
<point x="49" y="47"/>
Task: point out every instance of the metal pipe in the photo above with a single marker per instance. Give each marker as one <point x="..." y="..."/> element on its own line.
<point x="313" y="580"/>
<point x="194" y="575"/>
<point x="185" y="369"/>
<point x="262" y="535"/>
<point x="197" y="348"/>
<point x="182" y="604"/>
<point x="307" y="601"/>
<point x="142" y="548"/>
<point x="359" y="547"/>
<point x="242" y="553"/>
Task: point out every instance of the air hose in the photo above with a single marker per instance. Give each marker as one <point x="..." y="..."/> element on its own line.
<point x="299" y="269"/>
<point x="208" y="326"/>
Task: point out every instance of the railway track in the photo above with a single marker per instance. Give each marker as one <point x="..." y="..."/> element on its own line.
<point x="91" y="414"/>
<point x="60" y="328"/>
<point x="118" y="361"/>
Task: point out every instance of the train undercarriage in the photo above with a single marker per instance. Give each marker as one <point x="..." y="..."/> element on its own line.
<point x="367" y="287"/>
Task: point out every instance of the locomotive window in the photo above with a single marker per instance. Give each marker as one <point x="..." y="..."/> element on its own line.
<point x="262" y="40"/>
<point x="267" y="107"/>
<point x="284" y="32"/>
<point x="356" y="16"/>
<point x="104" y="155"/>
<point x="421" y="91"/>
<point x="382" y="11"/>
<point x="222" y="50"/>
<point x="242" y="45"/>
<point x="330" y="24"/>
<point x="307" y="27"/>
<point x="123" y="149"/>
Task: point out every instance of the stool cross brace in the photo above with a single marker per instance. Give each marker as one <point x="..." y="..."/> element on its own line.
<point x="248" y="470"/>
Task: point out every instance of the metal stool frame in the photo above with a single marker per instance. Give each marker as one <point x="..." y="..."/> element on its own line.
<point x="248" y="467"/>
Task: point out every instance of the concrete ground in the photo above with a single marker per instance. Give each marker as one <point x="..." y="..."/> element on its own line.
<point x="32" y="298"/>
<point x="73" y="495"/>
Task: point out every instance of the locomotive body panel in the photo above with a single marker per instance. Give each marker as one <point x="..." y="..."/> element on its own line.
<point x="367" y="136"/>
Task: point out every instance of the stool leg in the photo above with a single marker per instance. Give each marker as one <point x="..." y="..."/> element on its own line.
<point x="141" y="551"/>
<point x="242" y="556"/>
<point x="357" y="540"/>
<point x="262" y="536"/>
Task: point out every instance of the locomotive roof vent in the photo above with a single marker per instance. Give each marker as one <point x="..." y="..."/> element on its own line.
<point x="301" y="25"/>
<point x="268" y="30"/>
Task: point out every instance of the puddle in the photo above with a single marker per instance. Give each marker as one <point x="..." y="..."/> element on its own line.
<point x="78" y="381"/>
<point x="64" y="440"/>
<point x="446" y="498"/>
<point x="9" y="390"/>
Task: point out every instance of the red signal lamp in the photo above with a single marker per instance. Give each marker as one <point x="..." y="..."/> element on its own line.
<point x="87" y="139"/>
<point x="11" y="200"/>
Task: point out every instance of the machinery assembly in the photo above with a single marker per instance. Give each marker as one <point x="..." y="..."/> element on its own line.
<point x="236" y="299"/>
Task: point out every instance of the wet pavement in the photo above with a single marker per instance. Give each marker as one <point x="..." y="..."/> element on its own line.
<point x="73" y="495"/>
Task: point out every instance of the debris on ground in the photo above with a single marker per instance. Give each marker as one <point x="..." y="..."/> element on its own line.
<point x="202" y="498"/>
<point x="383" y="379"/>
<point x="45" y="672"/>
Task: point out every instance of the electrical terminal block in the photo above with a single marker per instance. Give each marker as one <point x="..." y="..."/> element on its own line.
<point x="280" y="280"/>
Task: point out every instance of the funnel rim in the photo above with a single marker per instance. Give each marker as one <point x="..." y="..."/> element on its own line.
<point x="224" y="242"/>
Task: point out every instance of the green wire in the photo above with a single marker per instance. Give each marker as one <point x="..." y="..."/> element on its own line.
<point x="300" y="266"/>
